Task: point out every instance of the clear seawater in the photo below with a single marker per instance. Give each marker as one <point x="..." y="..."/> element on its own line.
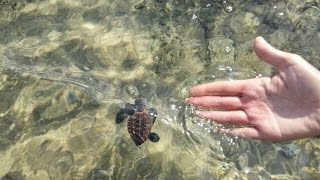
<point x="67" y="67"/>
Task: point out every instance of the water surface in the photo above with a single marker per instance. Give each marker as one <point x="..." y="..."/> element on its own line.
<point x="66" y="67"/>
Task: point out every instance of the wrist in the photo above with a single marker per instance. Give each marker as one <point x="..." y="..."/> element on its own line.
<point x="314" y="119"/>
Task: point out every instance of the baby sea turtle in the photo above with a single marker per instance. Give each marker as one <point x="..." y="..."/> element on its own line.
<point x="140" y="121"/>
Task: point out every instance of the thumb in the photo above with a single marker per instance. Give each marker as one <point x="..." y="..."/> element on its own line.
<point x="269" y="54"/>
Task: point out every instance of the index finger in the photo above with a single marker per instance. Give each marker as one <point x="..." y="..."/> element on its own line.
<point x="219" y="88"/>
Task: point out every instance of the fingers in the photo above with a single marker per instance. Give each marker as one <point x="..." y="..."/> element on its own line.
<point x="223" y="88"/>
<point x="233" y="118"/>
<point x="225" y="117"/>
<point x="243" y="132"/>
<point x="216" y="102"/>
<point x="271" y="55"/>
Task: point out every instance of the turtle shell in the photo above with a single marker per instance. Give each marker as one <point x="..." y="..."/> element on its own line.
<point x="139" y="126"/>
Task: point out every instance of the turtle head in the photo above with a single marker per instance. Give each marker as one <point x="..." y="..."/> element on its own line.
<point x="140" y="103"/>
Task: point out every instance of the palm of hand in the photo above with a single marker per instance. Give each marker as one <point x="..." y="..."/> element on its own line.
<point x="285" y="106"/>
<point x="282" y="107"/>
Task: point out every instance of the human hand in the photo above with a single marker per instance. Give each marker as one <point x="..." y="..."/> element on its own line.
<point x="285" y="106"/>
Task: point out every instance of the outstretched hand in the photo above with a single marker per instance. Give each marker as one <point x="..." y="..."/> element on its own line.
<point x="283" y="107"/>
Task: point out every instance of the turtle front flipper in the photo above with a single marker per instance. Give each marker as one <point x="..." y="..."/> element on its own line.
<point x="153" y="114"/>
<point x="154" y="137"/>
<point x="125" y="112"/>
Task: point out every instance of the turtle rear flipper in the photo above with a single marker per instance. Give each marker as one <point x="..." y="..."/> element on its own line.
<point x="154" y="137"/>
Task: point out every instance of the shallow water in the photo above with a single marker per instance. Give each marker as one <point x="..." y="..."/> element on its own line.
<point x="66" y="67"/>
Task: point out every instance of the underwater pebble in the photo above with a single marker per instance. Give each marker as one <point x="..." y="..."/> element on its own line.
<point x="132" y="90"/>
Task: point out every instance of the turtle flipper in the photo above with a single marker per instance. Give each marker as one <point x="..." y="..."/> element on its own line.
<point x="153" y="114"/>
<point x="154" y="137"/>
<point x="125" y="112"/>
